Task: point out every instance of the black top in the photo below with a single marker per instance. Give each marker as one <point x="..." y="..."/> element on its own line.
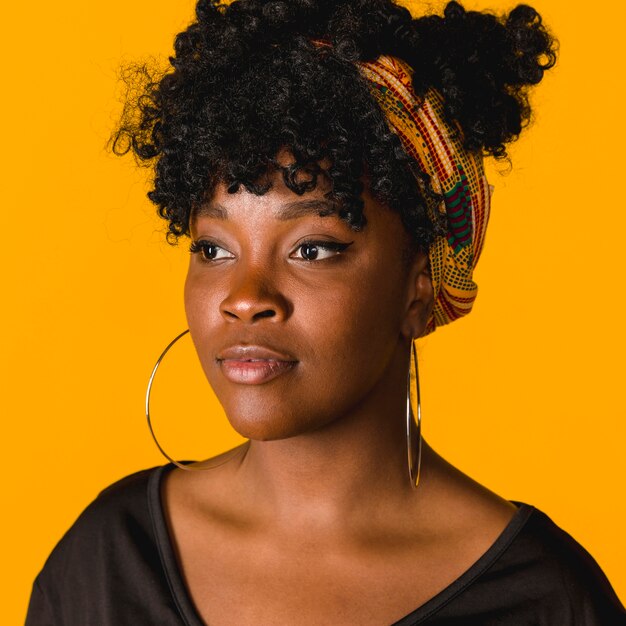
<point x="116" y="567"/>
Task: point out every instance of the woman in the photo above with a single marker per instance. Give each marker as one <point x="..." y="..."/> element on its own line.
<point x="325" y="158"/>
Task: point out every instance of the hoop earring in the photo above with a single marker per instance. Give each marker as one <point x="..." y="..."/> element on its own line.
<point x="413" y="391"/>
<point x="165" y="454"/>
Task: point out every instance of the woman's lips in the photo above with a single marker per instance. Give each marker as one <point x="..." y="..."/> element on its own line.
<point x="254" y="371"/>
<point x="254" y="364"/>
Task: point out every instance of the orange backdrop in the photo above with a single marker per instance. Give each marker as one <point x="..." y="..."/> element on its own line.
<point x="93" y="294"/>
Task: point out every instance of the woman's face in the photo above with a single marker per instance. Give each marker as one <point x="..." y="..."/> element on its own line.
<point x="296" y="318"/>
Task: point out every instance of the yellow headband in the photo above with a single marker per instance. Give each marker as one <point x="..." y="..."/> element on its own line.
<point x="455" y="173"/>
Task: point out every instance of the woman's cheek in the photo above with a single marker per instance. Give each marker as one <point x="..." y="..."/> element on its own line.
<point x="201" y="300"/>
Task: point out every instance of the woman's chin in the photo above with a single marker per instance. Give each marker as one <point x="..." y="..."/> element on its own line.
<point x="270" y="427"/>
<point x="261" y="430"/>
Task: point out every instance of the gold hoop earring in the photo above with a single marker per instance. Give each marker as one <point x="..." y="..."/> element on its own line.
<point x="413" y="393"/>
<point x="154" y="437"/>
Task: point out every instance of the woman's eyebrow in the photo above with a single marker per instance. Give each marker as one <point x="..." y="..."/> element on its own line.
<point x="287" y="211"/>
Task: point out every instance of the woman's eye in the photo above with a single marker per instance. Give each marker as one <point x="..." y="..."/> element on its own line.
<point x="209" y="251"/>
<point x="320" y="250"/>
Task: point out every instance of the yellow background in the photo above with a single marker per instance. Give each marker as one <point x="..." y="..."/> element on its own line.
<point x="526" y="394"/>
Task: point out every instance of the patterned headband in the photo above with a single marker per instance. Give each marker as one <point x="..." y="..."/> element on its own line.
<point x="455" y="173"/>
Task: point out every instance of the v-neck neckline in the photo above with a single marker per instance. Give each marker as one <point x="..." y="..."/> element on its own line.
<point x="190" y="615"/>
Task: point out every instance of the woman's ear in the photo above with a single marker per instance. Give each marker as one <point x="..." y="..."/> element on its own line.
<point x="419" y="297"/>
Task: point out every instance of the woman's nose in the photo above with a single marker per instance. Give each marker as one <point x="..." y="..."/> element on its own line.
<point x="254" y="296"/>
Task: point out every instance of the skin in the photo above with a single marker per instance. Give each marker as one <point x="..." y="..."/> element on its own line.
<point x="315" y="521"/>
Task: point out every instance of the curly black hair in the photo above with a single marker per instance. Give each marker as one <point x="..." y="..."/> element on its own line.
<point x="247" y="80"/>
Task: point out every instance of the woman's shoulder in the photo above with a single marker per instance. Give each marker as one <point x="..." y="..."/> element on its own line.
<point x="554" y="554"/>
<point x="127" y="491"/>
<point x="551" y="572"/>
<point x="532" y="567"/>
<point x="125" y="499"/>
<point x="534" y="573"/>
<point x="118" y="510"/>
<point x="123" y="503"/>
<point x="110" y="551"/>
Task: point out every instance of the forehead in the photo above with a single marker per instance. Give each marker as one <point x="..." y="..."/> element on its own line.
<point x="279" y="202"/>
<point x="272" y="207"/>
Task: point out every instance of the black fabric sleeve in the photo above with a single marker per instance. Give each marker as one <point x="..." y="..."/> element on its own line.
<point x="544" y="578"/>
<point x="40" y="611"/>
<point x="535" y="574"/>
<point x="581" y="592"/>
<point x="106" y="570"/>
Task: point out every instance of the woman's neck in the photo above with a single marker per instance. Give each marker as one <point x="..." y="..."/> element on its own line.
<point x="350" y="470"/>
